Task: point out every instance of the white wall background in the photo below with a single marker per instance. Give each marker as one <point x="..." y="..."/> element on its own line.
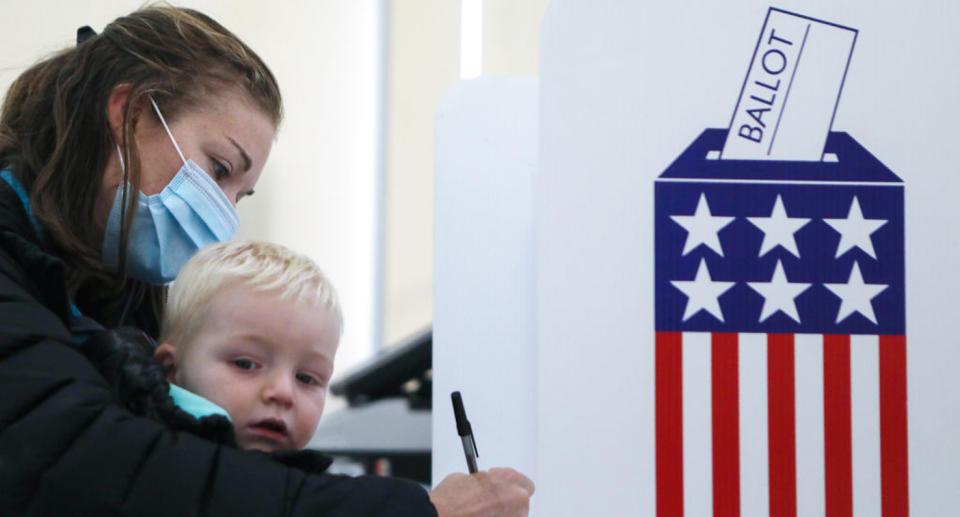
<point x="424" y="63"/>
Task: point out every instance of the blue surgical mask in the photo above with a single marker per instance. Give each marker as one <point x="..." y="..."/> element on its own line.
<point x="169" y="227"/>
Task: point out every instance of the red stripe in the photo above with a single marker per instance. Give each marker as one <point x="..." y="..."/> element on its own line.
<point x="669" y="423"/>
<point x="836" y="426"/>
<point x="893" y="426"/>
<point x="726" y="425"/>
<point x="782" y="425"/>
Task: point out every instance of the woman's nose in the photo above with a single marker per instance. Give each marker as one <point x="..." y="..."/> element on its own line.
<point x="232" y="192"/>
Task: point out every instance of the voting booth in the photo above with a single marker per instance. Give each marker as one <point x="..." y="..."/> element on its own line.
<point x="742" y="231"/>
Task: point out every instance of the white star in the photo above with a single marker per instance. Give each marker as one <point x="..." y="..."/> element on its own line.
<point x="779" y="294"/>
<point x="702" y="227"/>
<point x="778" y="229"/>
<point x="856" y="296"/>
<point x="702" y="293"/>
<point x="855" y="230"/>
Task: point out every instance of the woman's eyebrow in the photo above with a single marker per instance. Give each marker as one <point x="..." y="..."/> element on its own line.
<point x="246" y="158"/>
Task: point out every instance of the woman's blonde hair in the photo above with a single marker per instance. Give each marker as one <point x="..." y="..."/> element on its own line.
<point x="259" y="266"/>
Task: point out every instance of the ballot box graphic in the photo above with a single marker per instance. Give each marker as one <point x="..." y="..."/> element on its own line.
<point x="780" y="334"/>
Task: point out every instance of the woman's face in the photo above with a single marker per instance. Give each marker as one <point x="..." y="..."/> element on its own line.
<point x="227" y="135"/>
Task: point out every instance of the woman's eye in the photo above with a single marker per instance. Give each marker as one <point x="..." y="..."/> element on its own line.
<point x="244" y="364"/>
<point x="220" y="170"/>
<point x="306" y="378"/>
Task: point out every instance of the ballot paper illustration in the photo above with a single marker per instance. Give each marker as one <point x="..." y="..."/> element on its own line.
<point x="790" y="94"/>
<point x="780" y="304"/>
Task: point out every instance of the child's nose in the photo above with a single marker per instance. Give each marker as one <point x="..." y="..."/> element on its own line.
<point x="279" y="390"/>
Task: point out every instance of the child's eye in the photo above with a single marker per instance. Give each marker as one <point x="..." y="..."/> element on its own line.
<point x="307" y="378"/>
<point x="244" y="364"/>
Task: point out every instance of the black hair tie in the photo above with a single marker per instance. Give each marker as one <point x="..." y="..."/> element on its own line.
<point x="84" y="33"/>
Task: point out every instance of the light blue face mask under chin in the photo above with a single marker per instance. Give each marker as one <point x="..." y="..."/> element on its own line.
<point x="170" y="226"/>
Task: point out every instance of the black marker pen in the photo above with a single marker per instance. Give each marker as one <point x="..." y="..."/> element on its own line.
<point x="465" y="432"/>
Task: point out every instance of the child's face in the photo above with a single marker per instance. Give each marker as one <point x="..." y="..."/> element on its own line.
<point x="264" y="359"/>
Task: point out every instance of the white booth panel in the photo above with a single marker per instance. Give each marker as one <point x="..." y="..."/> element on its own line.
<point x="483" y="341"/>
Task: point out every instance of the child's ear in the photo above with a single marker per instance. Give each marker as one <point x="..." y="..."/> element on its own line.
<point x="166" y="354"/>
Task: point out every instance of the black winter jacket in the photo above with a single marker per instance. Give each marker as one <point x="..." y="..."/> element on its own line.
<point x="88" y="429"/>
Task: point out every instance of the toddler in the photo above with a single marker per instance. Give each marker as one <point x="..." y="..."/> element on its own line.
<point x="251" y="330"/>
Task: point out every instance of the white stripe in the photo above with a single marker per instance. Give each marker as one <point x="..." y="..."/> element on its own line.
<point x="865" y="424"/>
<point x="808" y="356"/>
<point x="697" y="442"/>
<point x="754" y="451"/>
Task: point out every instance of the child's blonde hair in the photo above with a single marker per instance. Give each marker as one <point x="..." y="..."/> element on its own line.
<point x="261" y="266"/>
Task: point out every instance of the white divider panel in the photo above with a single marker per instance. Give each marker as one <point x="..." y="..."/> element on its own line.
<point x="625" y="88"/>
<point x="483" y="340"/>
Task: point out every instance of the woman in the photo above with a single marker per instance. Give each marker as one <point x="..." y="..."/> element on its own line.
<point x="119" y="158"/>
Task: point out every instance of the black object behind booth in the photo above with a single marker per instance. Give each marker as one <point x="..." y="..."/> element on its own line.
<point x="386" y="427"/>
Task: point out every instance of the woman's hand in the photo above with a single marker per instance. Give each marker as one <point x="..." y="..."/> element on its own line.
<point x="500" y="492"/>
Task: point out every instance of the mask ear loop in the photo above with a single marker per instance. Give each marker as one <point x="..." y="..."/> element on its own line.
<point x="123" y="167"/>
<point x="164" y="122"/>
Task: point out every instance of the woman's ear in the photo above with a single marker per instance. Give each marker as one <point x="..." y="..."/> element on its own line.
<point x="166" y="355"/>
<point x="116" y="105"/>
